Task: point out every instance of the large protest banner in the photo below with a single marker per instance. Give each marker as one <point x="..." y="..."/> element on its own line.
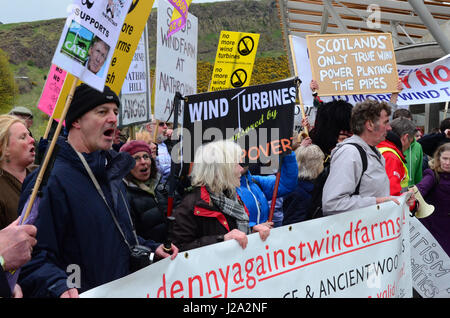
<point x="176" y="61"/>
<point x="361" y="253"/>
<point x="423" y="83"/>
<point x="135" y="93"/>
<point x="89" y="37"/>
<point x="356" y="63"/>
<point x="235" y="57"/>
<point x="430" y="265"/>
<point x="260" y="118"/>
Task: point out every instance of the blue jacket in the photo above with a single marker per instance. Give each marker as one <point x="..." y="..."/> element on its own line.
<point x="296" y="204"/>
<point x="74" y="225"/>
<point x="256" y="191"/>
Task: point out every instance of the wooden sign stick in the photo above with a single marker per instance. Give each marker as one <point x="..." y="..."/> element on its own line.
<point x="50" y="150"/>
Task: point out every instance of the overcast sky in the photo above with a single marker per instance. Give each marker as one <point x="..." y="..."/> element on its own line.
<point x="13" y="11"/>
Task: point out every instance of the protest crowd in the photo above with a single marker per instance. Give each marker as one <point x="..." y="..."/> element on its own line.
<point x="102" y="179"/>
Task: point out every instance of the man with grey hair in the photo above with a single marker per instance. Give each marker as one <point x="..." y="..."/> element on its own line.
<point x="397" y="141"/>
<point x="370" y="124"/>
<point x="414" y="154"/>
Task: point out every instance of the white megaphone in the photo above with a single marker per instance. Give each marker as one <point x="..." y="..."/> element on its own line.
<point x="425" y="209"/>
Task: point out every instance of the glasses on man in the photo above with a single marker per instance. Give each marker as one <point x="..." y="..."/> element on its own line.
<point x="162" y="124"/>
<point x="145" y="157"/>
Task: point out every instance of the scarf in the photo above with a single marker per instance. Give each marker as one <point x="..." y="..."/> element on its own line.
<point x="148" y="186"/>
<point x="233" y="208"/>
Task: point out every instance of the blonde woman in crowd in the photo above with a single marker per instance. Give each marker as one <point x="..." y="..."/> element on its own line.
<point x="213" y="212"/>
<point x="16" y="156"/>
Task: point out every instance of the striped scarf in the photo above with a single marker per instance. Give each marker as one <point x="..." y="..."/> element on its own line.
<point x="233" y="208"/>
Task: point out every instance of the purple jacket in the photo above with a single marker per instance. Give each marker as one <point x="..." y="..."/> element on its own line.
<point x="438" y="195"/>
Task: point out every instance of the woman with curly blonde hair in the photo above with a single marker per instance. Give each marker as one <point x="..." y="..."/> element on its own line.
<point x="16" y="155"/>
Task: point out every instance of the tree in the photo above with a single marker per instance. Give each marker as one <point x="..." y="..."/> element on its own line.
<point x="8" y="89"/>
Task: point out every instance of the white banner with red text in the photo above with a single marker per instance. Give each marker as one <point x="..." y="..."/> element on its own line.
<point x="361" y="253"/>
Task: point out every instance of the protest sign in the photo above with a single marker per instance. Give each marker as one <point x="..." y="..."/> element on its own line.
<point x="302" y="68"/>
<point x="423" y="83"/>
<point x="176" y="61"/>
<point x="361" y="253"/>
<point x="52" y="89"/>
<point x="135" y="97"/>
<point x="130" y="35"/>
<point x="88" y="39"/>
<point x="430" y="265"/>
<point x="179" y="15"/>
<point x="235" y="57"/>
<point x="260" y="118"/>
<point x="136" y="78"/>
<point x="357" y="63"/>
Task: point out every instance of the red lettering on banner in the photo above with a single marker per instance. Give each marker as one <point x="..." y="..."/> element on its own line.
<point x="349" y="234"/>
<point x="174" y="291"/>
<point x="429" y="77"/>
<point x="260" y="270"/>
<point x="389" y="292"/>
<point x="292" y="255"/>
<point x="163" y="287"/>
<point x="285" y="144"/>
<point x="405" y="81"/>
<point x="238" y="274"/>
<point x="251" y="281"/>
<point x="432" y="76"/>
<point x="268" y="259"/>
<point x="276" y="259"/>
<point x="386" y="226"/>
<point x="275" y="146"/>
<point x="208" y="275"/>
<point x="225" y="279"/>
<point x="437" y="74"/>
<point x="200" y="285"/>
<point x="300" y="247"/>
<point x="278" y="262"/>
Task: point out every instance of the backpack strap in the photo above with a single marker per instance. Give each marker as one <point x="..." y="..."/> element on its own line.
<point x="364" y="163"/>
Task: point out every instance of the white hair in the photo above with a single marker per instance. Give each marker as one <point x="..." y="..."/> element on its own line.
<point x="214" y="166"/>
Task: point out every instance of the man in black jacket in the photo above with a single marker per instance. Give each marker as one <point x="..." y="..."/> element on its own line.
<point x="84" y="228"/>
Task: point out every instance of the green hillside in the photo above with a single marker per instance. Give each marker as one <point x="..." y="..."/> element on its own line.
<point x="30" y="47"/>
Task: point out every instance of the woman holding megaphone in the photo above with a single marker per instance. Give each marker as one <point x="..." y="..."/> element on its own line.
<point x="435" y="190"/>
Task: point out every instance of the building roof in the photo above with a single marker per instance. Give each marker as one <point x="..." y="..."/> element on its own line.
<point x="407" y="20"/>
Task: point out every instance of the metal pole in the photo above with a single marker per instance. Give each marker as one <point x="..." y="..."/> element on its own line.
<point x="428" y="20"/>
